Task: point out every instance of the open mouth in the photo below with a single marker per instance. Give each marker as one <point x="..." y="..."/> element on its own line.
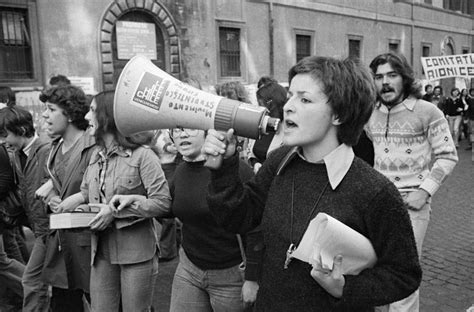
<point x="185" y="143"/>
<point x="387" y="90"/>
<point x="290" y="124"/>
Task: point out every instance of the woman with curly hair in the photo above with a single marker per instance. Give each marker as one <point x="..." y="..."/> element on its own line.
<point x="67" y="252"/>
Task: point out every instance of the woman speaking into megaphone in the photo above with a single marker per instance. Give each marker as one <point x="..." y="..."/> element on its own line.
<point x="316" y="171"/>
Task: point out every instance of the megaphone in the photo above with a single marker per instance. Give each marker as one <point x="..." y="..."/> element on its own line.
<point x="147" y="98"/>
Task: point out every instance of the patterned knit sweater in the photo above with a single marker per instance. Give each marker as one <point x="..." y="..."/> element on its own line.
<point x="364" y="200"/>
<point x="405" y="138"/>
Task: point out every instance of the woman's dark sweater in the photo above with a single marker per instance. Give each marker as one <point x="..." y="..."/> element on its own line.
<point x="208" y="245"/>
<point x="365" y="200"/>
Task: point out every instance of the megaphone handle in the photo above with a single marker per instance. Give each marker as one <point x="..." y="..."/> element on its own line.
<point x="214" y="162"/>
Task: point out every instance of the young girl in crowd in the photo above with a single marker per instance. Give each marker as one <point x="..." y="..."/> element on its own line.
<point x="329" y="103"/>
<point x="208" y="276"/>
<point x="124" y="258"/>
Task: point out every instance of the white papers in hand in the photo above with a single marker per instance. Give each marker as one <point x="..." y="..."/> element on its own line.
<point x="327" y="237"/>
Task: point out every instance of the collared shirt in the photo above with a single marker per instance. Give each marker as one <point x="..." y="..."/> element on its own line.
<point x="27" y="149"/>
<point x="337" y="162"/>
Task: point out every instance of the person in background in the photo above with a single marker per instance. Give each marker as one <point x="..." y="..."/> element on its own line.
<point x="464" y="128"/>
<point x="67" y="255"/>
<point x="453" y="110"/>
<point x="125" y="250"/>
<point x="208" y="276"/>
<point x="59" y="81"/>
<point x="235" y="90"/>
<point x="428" y="96"/>
<point x="316" y="171"/>
<point x="470" y="116"/>
<point x="406" y="131"/>
<point x="11" y="270"/>
<point x="17" y="130"/>
<point x="438" y="98"/>
<point x="272" y="96"/>
<point x="7" y="97"/>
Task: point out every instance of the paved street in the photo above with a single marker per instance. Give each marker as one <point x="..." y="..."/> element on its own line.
<point x="448" y="251"/>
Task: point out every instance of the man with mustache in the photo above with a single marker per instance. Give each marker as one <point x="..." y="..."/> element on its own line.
<point x="406" y="131"/>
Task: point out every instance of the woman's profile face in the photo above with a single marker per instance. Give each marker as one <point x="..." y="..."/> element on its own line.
<point x="308" y="118"/>
<point x="91" y="117"/>
<point x="56" y="120"/>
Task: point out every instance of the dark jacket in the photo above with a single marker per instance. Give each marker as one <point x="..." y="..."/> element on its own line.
<point x="67" y="260"/>
<point x="31" y="178"/>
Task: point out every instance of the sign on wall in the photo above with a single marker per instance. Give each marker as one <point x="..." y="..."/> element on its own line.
<point x="447" y="66"/>
<point x="135" y="38"/>
<point x="86" y="83"/>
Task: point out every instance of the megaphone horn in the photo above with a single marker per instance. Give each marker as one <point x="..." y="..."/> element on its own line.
<point x="147" y="98"/>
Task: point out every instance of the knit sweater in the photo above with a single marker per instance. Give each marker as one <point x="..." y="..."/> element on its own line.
<point x="405" y="138"/>
<point x="364" y="200"/>
<point x="208" y="245"/>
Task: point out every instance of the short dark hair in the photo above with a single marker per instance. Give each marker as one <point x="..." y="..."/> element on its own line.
<point x="428" y="86"/>
<point x="59" y="81"/>
<point x="106" y="123"/>
<point x="7" y="95"/>
<point x="440" y="89"/>
<point x="265" y="80"/>
<point x="72" y="100"/>
<point x="17" y="120"/>
<point x="471" y="90"/>
<point x="400" y="65"/>
<point x="349" y="88"/>
<point x="274" y="97"/>
<point x="454" y="89"/>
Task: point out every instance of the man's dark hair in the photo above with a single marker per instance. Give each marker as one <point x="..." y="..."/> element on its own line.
<point x="428" y="86"/>
<point x="349" y="88"/>
<point x="7" y="96"/>
<point x="17" y="120"/>
<point x="265" y="80"/>
<point x="454" y="89"/>
<point x="439" y="88"/>
<point x="72" y="100"/>
<point x="59" y="81"/>
<point x="273" y="96"/>
<point x="400" y="65"/>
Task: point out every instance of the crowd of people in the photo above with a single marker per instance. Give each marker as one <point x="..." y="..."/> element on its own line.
<point x="340" y="149"/>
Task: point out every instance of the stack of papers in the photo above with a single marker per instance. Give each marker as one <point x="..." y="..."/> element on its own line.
<point x="327" y="237"/>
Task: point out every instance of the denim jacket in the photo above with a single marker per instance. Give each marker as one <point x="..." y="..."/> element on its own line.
<point x="131" y="238"/>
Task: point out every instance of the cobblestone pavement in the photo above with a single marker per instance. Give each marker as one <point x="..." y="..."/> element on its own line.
<point x="448" y="251"/>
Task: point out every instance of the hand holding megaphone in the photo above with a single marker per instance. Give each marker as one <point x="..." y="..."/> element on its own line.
<point x="218" y="145"/>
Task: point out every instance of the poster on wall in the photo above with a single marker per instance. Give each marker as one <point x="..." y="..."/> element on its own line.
<point x="135" y="38"/>
<point x="447" y="66"/>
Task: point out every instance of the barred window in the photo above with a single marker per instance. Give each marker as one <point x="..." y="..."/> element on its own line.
<point x="354" y="49"/>
<point x="229" y="44"/>
<point x="15" y="45"/>
<point x="303" y="46"/>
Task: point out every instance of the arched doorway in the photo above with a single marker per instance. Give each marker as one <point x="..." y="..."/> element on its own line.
<point x="149" y="12"/>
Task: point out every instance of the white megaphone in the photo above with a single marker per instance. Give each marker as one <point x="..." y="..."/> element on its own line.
<point x="147" y="98"/>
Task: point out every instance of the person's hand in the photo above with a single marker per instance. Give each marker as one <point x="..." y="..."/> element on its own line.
<point x="118" y="202"/>
<point x="103" y="218"/>
<point x="416" y="200"/>
<point x="249" y="292"/>
<point x="332" y="281"/>
<point x="70" y="203"/>
<point x="256" y="167"/>
<point x="44" y="190"/>
<point x="53" y="203"/>
<point x="219" y="143"/>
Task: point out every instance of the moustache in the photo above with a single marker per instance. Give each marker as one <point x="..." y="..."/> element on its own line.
<point x="387" y="89"/>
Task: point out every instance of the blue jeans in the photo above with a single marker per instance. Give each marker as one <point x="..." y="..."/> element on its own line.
<point x="11" y="271"/>
<point x="35" y="291"/>
<point x="196" y="290"/>
<point x="133" y="283"/>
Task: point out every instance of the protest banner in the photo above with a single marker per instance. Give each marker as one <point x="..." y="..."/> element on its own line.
<point x="447" y="66"/>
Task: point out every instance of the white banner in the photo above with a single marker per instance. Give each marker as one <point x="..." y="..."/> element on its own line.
<point x="446" y="66"/>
